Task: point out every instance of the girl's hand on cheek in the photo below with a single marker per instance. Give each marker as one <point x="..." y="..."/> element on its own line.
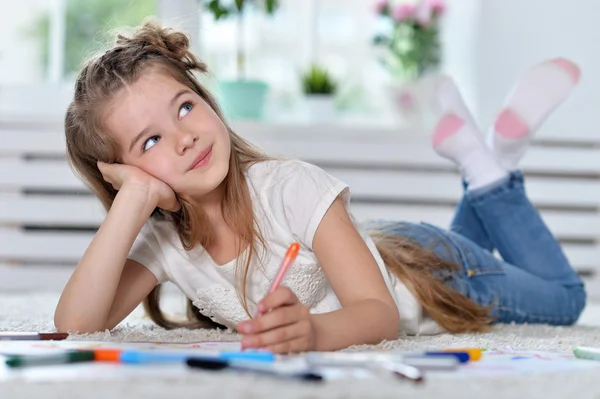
<point x="284" y="326"/>
<point x="121" y="175"/>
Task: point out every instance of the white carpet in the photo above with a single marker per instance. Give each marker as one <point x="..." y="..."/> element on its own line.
<point x="33" y="312"/>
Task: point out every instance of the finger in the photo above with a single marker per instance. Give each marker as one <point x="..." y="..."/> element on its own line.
<point x="281" y="297"/>
<point x="299" y="344"/>
<point x="104" y="166"/>
<point x="279" y="317"/>
<point x="101" y="166"/>
<point x="277" y="335"/>
<point x="105" y="170"/>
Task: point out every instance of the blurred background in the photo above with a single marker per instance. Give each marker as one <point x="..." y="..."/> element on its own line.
<point x="484" y="45"/>
<point x="346" y="84"/>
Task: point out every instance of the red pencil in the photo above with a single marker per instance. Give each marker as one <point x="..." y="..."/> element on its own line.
<point x="288" y="259"/>
<point x="32" y="336"/>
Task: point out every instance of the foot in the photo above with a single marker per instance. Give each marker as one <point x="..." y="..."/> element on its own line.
<point x="539" y="91"/>
<point x="449" y="100"/>
<point x="457" y="138"/>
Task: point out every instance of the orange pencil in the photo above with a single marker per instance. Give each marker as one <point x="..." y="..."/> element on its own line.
<point x="288" y="259"/>
<point x="107" y="355"/>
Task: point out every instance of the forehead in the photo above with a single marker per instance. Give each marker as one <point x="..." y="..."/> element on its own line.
<point x="140" y="104"/>
<point x="154" y="85"/>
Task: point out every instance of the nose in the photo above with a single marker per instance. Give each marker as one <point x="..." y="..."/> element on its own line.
<point x="184" y="141"/>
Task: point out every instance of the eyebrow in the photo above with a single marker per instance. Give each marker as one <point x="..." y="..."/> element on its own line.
<point x="145" y="130"/>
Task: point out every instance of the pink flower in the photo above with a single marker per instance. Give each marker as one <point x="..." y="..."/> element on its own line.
<point x="402" y="12"/>
<point x="380" y="6"/>
<point x="424" y="12"/>
<point x="437" y="6"/>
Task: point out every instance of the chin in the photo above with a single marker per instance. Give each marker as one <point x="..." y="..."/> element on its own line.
<point x="208" y="182"/>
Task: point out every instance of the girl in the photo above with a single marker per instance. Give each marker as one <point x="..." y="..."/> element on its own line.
<point x="191" y="202"/>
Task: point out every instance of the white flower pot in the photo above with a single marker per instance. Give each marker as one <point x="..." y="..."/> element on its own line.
<point x="321" y="108"/>
<point x="412" y="102"/>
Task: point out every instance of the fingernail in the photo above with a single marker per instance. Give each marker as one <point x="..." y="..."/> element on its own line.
<point x="245" y="328"/>
<point x="246" y="342"/>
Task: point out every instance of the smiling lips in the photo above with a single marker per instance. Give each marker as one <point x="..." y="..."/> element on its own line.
<point x="202" y="159"/>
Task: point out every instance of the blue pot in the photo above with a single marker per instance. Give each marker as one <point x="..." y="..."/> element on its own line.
<point x="243" y="99"/>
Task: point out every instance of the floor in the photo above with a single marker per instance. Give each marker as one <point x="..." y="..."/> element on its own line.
<point x="27" y="304"/>
<point x="39" y="279"/>
<point x="33" y="311"/>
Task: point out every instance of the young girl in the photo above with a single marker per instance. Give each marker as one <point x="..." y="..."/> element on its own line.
<point x="191" y="202"/>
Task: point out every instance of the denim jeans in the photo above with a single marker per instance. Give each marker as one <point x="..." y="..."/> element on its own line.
<point x="532" y="283"/>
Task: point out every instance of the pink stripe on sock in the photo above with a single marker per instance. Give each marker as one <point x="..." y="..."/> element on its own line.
<point x="447" y="126"/>
<point x="510" y="125"/>
<point x="569" y="67"/>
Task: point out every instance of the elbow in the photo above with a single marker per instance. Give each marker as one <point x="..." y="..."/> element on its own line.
<point x="70" y="320"/>
<point x="393" y="325"/>
<point x="391" y="335"/>
<point x="75" y="326"/>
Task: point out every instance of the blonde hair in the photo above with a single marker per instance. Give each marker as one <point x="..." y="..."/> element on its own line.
<point x="101" y="78"/>
<point x="151" y="45"/>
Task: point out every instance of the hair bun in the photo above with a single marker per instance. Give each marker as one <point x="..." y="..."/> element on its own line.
<point x="151" y="37"/>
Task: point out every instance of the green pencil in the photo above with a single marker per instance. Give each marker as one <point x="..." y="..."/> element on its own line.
<point x="53" y="359"/>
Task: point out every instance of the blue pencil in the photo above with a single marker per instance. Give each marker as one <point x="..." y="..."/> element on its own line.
<point x="141" y="357"/>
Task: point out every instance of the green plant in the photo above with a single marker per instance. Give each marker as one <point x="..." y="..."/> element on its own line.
<point x="318" y="81"/>
<point x="88" y="27"/>
<point x="220" y="10"/>
<point x="412" y="42"/>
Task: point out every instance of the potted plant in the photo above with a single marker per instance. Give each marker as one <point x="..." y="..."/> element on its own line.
<point x="411" y="52"/>
<point x="241" y="97"/>
<point x="412" y="39"/>
<point x="319" y="88"/>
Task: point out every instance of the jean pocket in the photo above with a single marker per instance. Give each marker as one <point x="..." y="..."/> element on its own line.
<point x="473" y="260"/>
<point x="478" y="261"/>
<point x="482" y="272"/>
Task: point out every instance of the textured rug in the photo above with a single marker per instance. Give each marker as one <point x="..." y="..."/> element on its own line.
<point x="33" y="312"/>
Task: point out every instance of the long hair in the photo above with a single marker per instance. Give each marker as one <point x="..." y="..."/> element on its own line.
<point x="150" y="46"/>
<point x="419" y="268"/>
<point x="101" y="78"/>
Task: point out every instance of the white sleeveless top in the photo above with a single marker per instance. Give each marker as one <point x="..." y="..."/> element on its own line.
<point x="289" y="199"/>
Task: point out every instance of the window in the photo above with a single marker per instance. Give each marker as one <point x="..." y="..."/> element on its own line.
<point x="48" y="40"/>
<point x="333" y="33"/>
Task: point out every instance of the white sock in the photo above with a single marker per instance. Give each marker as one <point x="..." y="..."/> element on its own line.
<point x="448" y="100"/>
<point x="537" y="93"/>
<point x="456" y="138"/>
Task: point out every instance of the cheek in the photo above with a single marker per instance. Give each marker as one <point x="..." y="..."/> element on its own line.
<point x="159" y="167"/>
<point x="225" y="140"/>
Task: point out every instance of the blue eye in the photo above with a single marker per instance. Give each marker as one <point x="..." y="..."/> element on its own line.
<point x="150" y="142"/>
<point x="185" y="108"/>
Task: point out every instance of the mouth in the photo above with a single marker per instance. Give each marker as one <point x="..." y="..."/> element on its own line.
<point x="202" y="159"/>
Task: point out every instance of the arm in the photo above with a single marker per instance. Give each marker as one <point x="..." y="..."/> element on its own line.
<point x="105" y="287"/>
<point x="135" y="284"/>
<point x="369" y="314"/>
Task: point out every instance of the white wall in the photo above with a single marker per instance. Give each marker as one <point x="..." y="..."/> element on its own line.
<point x="460" y="42"/>
<point x="181" y="14"/>
<point x="514" y="34"/>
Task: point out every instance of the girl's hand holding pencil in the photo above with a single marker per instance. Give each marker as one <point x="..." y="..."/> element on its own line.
<point x="121" y="175"/>
<point x="286" y="327"/>
<point x="282" y="324"/>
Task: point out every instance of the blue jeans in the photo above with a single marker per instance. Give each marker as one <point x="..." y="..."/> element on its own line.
<point x="532" y="283"/>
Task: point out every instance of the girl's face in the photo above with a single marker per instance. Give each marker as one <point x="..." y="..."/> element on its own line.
<point x="171" y="133"/>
